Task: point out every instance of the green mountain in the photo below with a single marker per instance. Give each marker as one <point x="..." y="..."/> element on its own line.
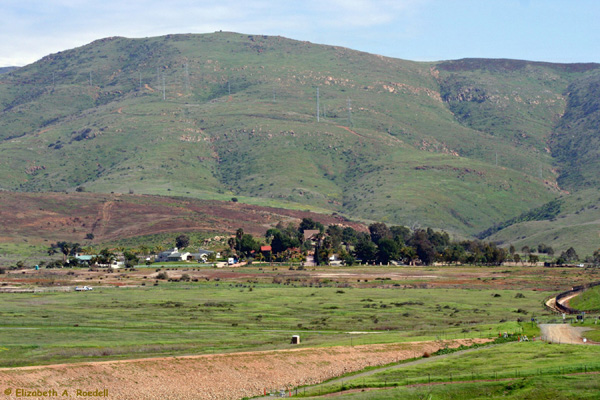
<point x="460" y="145"/>
<point x="4" y="70"/>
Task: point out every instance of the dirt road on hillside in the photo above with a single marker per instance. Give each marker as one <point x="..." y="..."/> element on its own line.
<point x="215" y="377"/>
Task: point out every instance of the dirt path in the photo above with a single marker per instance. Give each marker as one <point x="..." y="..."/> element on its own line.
<point x="562" y="333"/>
<point x="551" y="303"/>
<point x="351" y="131"/>
<point x="221" y="376"/>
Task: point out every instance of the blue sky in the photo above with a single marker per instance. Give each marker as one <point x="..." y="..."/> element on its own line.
<point x="422" y="30"/>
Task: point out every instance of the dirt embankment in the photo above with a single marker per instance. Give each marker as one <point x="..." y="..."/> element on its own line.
<point x="223" y="376"/>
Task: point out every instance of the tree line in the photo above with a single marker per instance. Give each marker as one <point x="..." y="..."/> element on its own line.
<point x="382" y="244"/>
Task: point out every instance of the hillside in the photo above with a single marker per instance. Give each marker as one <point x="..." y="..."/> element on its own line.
<point x="575" y="223"/>
<point x="32" y="221"/>
<point x="459" y="145"/>
<point x="4" y="70"/>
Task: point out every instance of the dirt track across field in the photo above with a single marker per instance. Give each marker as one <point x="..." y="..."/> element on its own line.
<point x="562" y="333"/>
<point x="222" y="376"/>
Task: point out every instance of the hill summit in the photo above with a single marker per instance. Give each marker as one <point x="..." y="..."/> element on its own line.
<point x="460" y="145"/>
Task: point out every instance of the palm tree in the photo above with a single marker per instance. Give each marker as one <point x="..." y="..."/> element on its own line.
<point x="87" y="250"/>
<point x="238" y="235"/>
<point x="65" y="248"/>
<point x="143" y="250"/>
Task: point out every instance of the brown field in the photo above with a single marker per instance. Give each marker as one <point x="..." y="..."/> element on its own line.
<point x="222" y="376"/>
<point x="515" y="278"/>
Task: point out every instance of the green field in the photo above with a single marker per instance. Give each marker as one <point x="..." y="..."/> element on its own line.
<point x="532" y="370"/>
<point x="532" y="388"/>
<point x="221" y="316"/>
<point x="589" y="300"/>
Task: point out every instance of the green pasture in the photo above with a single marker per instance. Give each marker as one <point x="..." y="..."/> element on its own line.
<point x="520" y="366"/>
<point x="219" y="316"/>
<point x="540" y="387"/>
<point x="588" y="300"/>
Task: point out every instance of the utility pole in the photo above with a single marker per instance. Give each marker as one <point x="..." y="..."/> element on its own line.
<point x="349" y="112"/>
<point x="318" y="107"/>
<point x="187" y="78"/>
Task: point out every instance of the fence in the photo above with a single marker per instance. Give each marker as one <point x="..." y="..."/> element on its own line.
<point x="575" y="289"/>
<point x="470" y="376"/>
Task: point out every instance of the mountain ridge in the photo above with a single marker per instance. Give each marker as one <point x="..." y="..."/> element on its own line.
<point x="460" y="144"/>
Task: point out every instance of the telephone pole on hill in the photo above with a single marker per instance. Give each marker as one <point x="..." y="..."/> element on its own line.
<point x="318" y="107"/>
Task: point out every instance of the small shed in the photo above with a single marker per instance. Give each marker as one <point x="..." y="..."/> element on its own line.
<point x="296" y="339"/>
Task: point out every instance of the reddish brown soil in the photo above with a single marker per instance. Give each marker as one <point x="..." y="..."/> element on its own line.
<point x="223" y="376"/>
<point x="70" y="217"/>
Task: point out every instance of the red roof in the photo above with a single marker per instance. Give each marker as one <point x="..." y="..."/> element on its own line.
<point x="265" y="248"/>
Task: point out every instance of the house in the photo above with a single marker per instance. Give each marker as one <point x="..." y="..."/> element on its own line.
<point x="202" y="255"/>
<point x="266" y="251"/>
<point x="87" y="258"/>
<point x="177" y="256"/>
<point x="172" y="255"/>
<point x="311" y="234"/>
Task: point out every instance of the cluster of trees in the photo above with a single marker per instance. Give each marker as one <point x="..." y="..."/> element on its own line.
<point x="381" y="244"/>
<point x="385" y="244"/>
<point x="426" y="246"/>
<point x="104" y="256"/>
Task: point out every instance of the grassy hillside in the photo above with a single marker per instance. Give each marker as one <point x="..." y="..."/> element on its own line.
<point x="455" y="145"/>
<point x="576" y="139"/>
<point x="577" y="225"/>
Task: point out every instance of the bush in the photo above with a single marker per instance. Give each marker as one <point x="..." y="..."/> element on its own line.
<point x="162" y="275"/>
